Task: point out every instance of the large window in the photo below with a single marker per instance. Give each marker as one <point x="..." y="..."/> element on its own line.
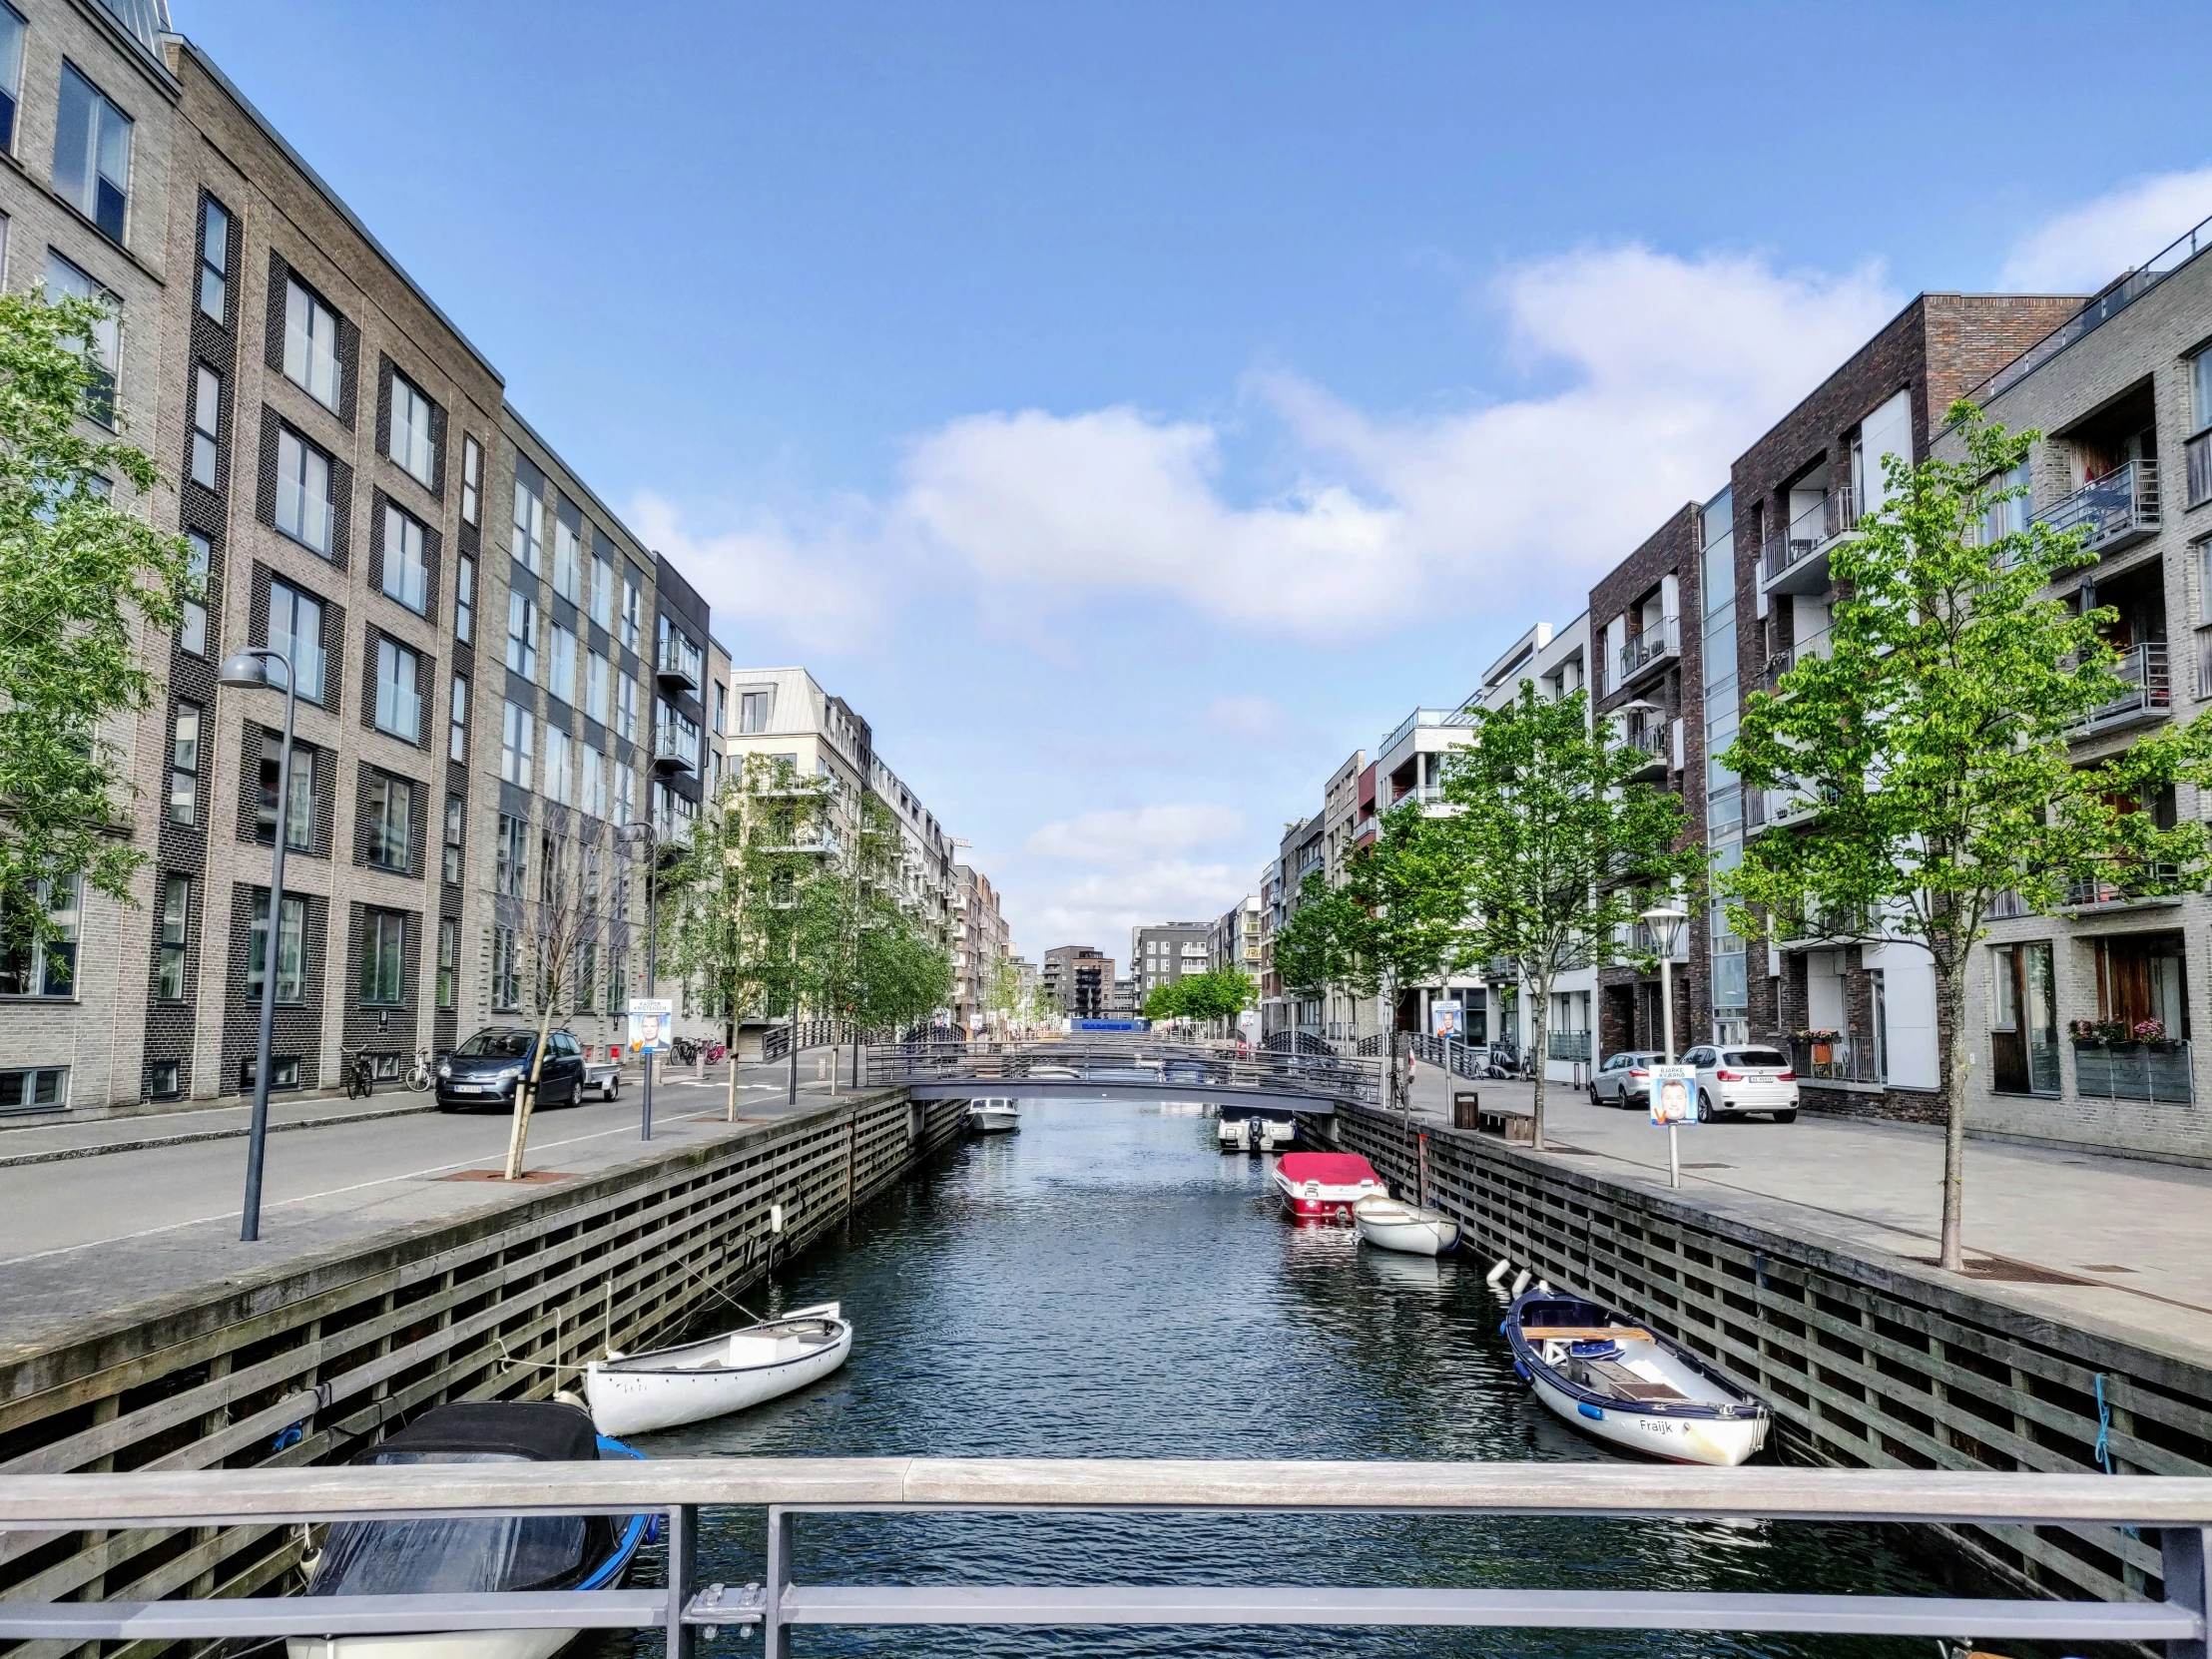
<point x="169" y="976"/>
<point x="455" y="828"/>
<point x="65" y="282"/>
<point x="183" y="766"/>
<point x="597" y="677"/>
<point x="512" y="868"/>
<point x="450" y="960"/>
<point x="632" y="604"/>
<point x="292" y="949"/>
<point x="603" y="589"/>
<point x="456" y="730"/>
<point x="92" y="153"/>
<point x="390" y="827"/>
<point x="34" y="964"/>
<point x="11" y="73"/>
<point x="756" y="711"/>
<point x="34" y="1088"/>
<point x="626" y="708"/>
<point x="561" y="678"/>
<point x="626" y="794"/>
<point x="411" y="441"/>
<point x="506" y="971"/>
<point x="2023" y="1019"/>
<point x="383" y="957"/>
<point x="529" y="528"/>
<point x="207" y="409"/>
<point x="295" y="629"/>
<point x="407" y="565"/>
<point x="300" y="821"/>
<point x="522" y="635"/>
<point x="214" y="258"/>
<point x="398" y="693"/>
<point x="310" y="346"/>
<point x="303" y="492"/>
<point x="595" y="782"/>
<point x="721" y="709"/>
<point x="472" y="480"/>
<point x="517" y="744"/>
<point x="192" y="635"/>
<point x="560" y="767"/>
<point x="568" y="552"/>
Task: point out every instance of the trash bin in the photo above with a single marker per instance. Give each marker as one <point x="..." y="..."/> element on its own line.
<point x="1466" y="1108"/>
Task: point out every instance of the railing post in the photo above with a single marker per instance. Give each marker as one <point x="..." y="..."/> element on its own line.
<point x="683" y="1562"/>
<point x="2183" y="1561"/>
<point x="775" y="1641"/>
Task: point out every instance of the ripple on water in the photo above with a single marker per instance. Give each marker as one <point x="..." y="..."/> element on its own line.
<point x="1107" y="1285"/>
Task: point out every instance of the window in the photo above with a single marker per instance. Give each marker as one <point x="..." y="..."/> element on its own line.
<point x="32" y="964"/>
<point x="464" y="601"/>
<point x="756" y="711"/>
<point x="513" y="865"/>
<point x="169" y="977"/>
<point x="207" y="407"/>
<point x="560" y="767"/>
<point x="11" y="73"/>
<point x="529" y="538"/>
<point x="2200" y="386"/>
<point x="595" y="782"/>
<point x="561" y="682"/>
<point x="587" y="976"/>
<point x="595" y="688"/>
<point x="633" y="599"/>
<point x="295" y="630"/>
<point x="568" y="552"/>
<point x="410" y="431"/>
<point x="92" y="152"/>
<point x="390" y="823"/>
<point x="517" y="741"/>
<point x="456" y="729"/>
<point x="603" y="589"/>
<point x="311" y="344"/>
<point x="398" y="699"/>
<point x="303" y="492"/>
<point x="522" y="635"/>
<point x="34" y="1088"/>
<point x="618" y="983"/>
<point x="300" y="821"/>
<point x="183" y="766"/>
<point x="164" y="1079"/>
<point x="506" y="971"/>
<point x="626" y="708"/>
<point x="283" y="1072"/>
<point x="722" y="707"/>
<point x="472" y="480"/>
<point x="215" y="259"/>
<point x="2023" y="1020"/>
<point x="450" y="960"/>
<point x="193" y="634"/>
<point x="406" y="566"/>
<point x="383" y="957"/>
<point x="626" y="794"/>
<point x="291" y="936"/>
<point x="65" y="282"/>
<point x="455" y="819"/>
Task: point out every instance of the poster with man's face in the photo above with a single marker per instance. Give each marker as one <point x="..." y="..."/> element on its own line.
<point x="1673" y="1094"/>
<point x="1445" y="1019"/>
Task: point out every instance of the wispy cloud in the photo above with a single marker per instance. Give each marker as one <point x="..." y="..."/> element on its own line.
<point x="1136" y="835"/>
<point x="2084" y="247"/>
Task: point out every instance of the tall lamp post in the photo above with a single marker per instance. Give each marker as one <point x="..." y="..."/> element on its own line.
<point x="634" y="833"/>
<point x="250" y="667"/>
<point x="1665" y="922"/>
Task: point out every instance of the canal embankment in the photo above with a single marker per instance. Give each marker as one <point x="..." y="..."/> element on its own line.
<point x="176" y="1352"/>
<point x="1869" y="1357"/>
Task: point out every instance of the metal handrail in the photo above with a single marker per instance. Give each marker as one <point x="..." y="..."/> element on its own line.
<point x="2124" y="502"/>
<point x="1642" y="650"/>
<point x="1318" y="1076"/>
<point x="2178" y="1507"/>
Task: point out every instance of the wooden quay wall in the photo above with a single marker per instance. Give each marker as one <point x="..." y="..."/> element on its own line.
<point x="308" y="1361"/>
<point x="1867" y="1361"/>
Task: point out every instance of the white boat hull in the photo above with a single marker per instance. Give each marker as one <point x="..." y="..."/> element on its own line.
<point x="994" y="1119"/>
<point x="631" y="1399"/>
<point x="1721" y="1442"/>
<point x="435" y="1644"/>
<point x="1404" y="1228"/>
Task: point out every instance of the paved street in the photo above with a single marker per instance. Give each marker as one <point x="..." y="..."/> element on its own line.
<point x="2139" y="1232"/>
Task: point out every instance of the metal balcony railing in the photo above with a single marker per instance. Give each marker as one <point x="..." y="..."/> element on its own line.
<point x="1567" y="1045"/>
<point x="1811" y="534"/>
<point x="1833" y="1060"/>
<point x="1424" y="716"/>
<point x="2143" y="671"/>
<point x="1822" y="644"/>
<point x="2107" y="893"/>
<point x="1648" y="740"/>
<point x="2117" y="510"/>
<point x="2159" y="1073"/>
<point x="1653" y="645"/>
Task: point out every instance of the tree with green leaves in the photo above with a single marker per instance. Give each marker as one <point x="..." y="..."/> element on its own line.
<point x="1935" y="747"/>
<point x="1217" y="995"/>
<point x="1556" y="844"/>
<point x="86" y="585"/>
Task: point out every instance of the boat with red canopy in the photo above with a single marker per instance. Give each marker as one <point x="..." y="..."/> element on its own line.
<point x="1323" y="1186"/>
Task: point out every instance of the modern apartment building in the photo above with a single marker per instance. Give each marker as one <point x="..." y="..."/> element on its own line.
<point x="979" y="943"/>
<point x="1162" y="954"/>
<point x="1080" y="980"/>
<point x="1284" y="1009"/>
<point x="1233" y="939"/>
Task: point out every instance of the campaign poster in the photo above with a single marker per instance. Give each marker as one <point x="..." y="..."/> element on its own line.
<point x="652" y="1025"/>
<point x="1674" y="1094"/>
<point x="1448" y="1020"/>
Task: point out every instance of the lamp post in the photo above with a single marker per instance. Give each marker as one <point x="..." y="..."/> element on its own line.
<point x="250" y="667"/>
<point x="1665" y="922"/>
<point x="631" y="833"/>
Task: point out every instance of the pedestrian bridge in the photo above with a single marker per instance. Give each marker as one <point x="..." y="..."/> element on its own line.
<point x="1127" y="1069"/>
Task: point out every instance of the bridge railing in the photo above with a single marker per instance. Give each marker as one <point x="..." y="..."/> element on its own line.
<point x="2177" y="1509"/>
<point x="1167" y="1066"/>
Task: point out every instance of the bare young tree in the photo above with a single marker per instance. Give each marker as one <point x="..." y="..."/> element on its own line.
<point x="552" y="916"/>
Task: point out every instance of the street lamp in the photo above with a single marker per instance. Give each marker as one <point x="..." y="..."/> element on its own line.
<point x="630" y="835"/>
<point x="250" y="667"/>
<point x="1665" y="922"/>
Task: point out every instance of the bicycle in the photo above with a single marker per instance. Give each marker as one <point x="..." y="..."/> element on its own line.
<point x="360" y="1077"/>
<point x="420" y="1076"/>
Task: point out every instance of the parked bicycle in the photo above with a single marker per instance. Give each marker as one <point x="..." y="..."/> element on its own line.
<point x="420" y="1072"/>
<point x="360" y="1077"/>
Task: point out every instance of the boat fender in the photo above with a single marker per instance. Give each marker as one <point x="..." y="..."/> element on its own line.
<point x="1521" y="1369"/>
<point x="1543" y="1286"/>
<point x="1589" y="1410"/>
<point x="1520" y="1283"/>
<point x="1499" y="1272"/>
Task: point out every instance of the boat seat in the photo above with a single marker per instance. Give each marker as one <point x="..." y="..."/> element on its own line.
<point x="1616" y="1378"/>
<point x="1585" y="1333"/>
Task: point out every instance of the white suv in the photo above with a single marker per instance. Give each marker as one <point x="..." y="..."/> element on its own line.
<point x="1734" y="1080"/>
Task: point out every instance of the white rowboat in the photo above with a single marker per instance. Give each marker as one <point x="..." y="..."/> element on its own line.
<point x="636" y="1394"/>
<point x="994" y="1115"/>
<point x="1390" y="1223"/>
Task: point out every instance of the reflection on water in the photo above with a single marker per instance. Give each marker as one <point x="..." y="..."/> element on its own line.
<point x="1105" y="1283"/>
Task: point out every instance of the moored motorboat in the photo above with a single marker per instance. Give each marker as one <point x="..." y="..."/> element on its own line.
<point x="1628" y="1387"/>
<point x="994" y="1115"/>
<point x="1393" y="1224"/>
<point x="1323" y="1186"/>
<point x="636" y="1393"/>
<point x="1254" y="1128"/>
<point x="478" y="1553"/>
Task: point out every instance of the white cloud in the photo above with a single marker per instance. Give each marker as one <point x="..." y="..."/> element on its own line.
<point x="1135" y="835"/>
<point x="2085" y="248"/>
<point x="1100" y="908"/>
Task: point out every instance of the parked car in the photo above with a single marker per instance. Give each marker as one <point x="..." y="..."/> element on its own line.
<point x="1625" y="1079"/>
<point x="1734" y="1080"/>
<point x="484" y="1072"/>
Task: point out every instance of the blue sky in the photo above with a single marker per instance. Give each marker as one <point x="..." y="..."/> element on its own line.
<point x="1131" y="409"/>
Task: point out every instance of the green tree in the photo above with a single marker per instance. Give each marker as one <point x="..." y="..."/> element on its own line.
<point x="1554" y="844"/>
<point x="85" y="582"/>
<point x="1220" y="995"/>
<point x="1936" y="745"/>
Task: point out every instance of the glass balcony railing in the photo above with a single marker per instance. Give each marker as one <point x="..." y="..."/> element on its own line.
<point x="2161" y="1072"/>
<point x="1822" y="644"/>
<point x="1567" y="1045"/>
<point x="2117" y="510"/>
<point x="1652" y="646"/>
<point x="2147" y="693"/>
<point x="2109" y="892"/>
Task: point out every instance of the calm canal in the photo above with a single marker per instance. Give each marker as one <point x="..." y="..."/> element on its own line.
<point x="1106" y="1285"/>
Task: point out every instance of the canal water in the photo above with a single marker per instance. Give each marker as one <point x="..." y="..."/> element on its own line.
<point x="1105" y="1283"/>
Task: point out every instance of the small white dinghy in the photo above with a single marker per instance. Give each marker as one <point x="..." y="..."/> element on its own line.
<point x="994" y="1115"/>
<point x="638" y="1393"/>
<point x="1393" y="1224"/>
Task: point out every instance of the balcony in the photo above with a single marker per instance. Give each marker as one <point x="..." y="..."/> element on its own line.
<point x="1459" y="717"/>
<point x="2148" y="693"/>
<point x="1645" y="650"/>
<point x="1836" y="1059"/>
<point x="1568" y="1045"/>
<point x="1796" y="560"/>
<point x="2104" y="892"/>
<point x="1637" y="939"/>
<point x="1778" y="808"/>
<point x="2161" y="1072"/>
<point x="670" y="752"/>
<point x="2117" y="510"/>
<point x="1651" y="745"/>
<point x="1821" y="645"/>
<point x="679" y="663"/>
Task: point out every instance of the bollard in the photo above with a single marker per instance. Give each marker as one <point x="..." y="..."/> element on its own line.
<point x="1466" y="1108"/>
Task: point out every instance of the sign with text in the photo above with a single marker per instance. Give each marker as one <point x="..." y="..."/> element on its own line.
<point x="1448" y="1020"/>
<point x="1674" y="1094"/>
<point x="652" y="1025"/>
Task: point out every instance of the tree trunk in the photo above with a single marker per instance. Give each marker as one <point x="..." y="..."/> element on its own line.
<point x="526" y="1097"/>
<point x="731" y="1026"/>
<point x="1537" y="1037"/>
<point x="1950" y="1004"/>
